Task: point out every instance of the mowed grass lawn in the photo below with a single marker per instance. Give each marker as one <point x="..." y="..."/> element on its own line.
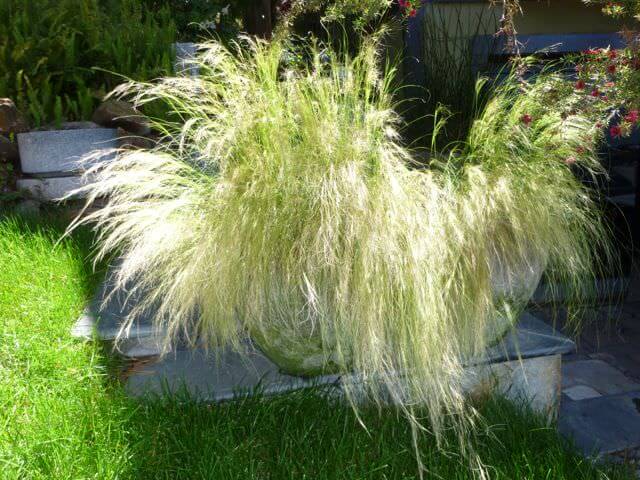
<point x="62" y="416"/>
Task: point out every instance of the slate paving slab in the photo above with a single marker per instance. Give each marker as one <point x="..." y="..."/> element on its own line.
<point x="106" y="313"/>
<point x="595" y="375"/>
<point x="580" y="392"/>
<point x="602" y="425"/>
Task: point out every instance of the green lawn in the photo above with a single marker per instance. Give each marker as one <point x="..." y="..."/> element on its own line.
<point x="63" y="417"/>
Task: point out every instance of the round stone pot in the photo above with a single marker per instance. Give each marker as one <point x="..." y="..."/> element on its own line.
<point x="512" y="283"/>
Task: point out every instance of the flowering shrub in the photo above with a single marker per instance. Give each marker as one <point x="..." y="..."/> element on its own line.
<point x="613" y="76"/>
<point x="194" y="18"/>
<point x="364" y="10"/>
<point x="409" y="7"/>
<point x="608" y="80"/>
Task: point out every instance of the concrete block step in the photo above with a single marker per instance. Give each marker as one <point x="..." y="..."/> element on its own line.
<point x="59" y="151"/>
<point x="50" y="189"/>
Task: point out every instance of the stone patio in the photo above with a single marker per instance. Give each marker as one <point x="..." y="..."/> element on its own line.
<point x="600" y="403"/>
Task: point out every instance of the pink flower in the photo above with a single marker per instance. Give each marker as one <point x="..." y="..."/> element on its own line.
<point x="403" y="3"/>
<point x="580" y="85"/>
<point x="570" y="160"/>
<point x="615" y="131"/>
<point x="632" y="116"/>
<point x="526" y="119"/>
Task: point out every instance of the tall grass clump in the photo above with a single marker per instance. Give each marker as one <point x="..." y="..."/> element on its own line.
<point x="282" y="205"/>
<point x="455" y="52"/>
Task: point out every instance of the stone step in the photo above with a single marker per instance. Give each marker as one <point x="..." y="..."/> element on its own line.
<point x="57" y="152"/>
<point x="213" y="378"/>
<point x="50" y="189"/>
<point x="185" y="54"/>
<point x="602" y="425"/>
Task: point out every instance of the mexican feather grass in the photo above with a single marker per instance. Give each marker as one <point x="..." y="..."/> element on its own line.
<point x="283" y="205"/>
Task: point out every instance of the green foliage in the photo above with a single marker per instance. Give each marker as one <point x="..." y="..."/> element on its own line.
<point x="63" y="416"/>
<point x="59" y="57"/>
<point x="6" y="178"/>
<point x="197" y="18"/>
<point x="339" y="9"/>
<point x="360" y="13"/>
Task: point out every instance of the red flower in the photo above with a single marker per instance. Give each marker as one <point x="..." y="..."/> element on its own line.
<point x="611" y="68"/>
<point x="632" y="117"/>
<point x="403" y="3"/>
<point x="580" y="150"/>
<point x="593" y="51"/>
<point x="413" y="12"/>
<point x="526" y="119"/>
<point x="580" y="85"/>
<point x="610" y="84"/>
<point x="612" y="54"/>
<point x="595" y="93"/>
<point x="598" y="125"/>
<point x="615" y="131"/>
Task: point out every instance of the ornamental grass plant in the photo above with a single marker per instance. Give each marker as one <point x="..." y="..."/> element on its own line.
<point x="283" y="206"/>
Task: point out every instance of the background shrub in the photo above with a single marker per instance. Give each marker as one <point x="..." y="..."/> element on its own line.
<point x="59" y="57"/>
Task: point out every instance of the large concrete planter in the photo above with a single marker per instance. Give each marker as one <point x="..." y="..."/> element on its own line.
<point x="523" y="365"/>
<point x="513" y="284"/>
<point x="57" y="152"/>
